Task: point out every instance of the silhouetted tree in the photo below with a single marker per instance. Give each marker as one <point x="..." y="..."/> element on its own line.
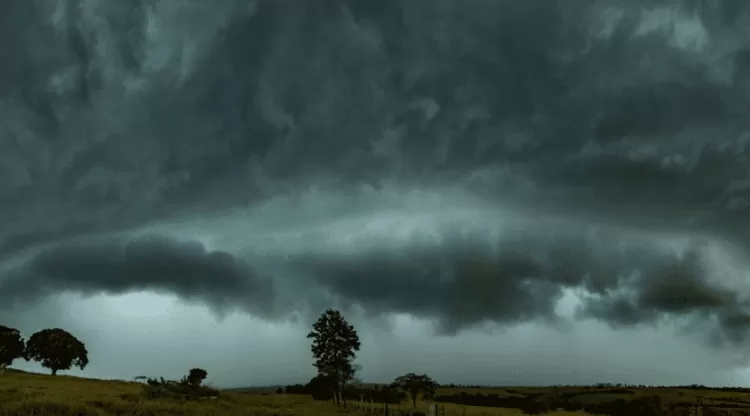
<point x="416" y="384"/>
<point x="321" y="387"/>
<point x="11" y="346"/>
<point x="196" y="376"/>
<point x="334" y="347"/>
<point x="56" y="349"/>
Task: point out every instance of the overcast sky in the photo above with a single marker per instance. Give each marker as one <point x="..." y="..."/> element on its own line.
<point x="492" y="191"/>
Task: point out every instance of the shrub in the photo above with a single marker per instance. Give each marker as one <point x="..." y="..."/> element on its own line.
<point x="169" y="389"/>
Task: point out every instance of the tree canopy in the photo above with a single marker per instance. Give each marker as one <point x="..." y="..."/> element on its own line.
<point x="56" y="349"/>
<point x="196" y="376"/>
<point x="12" y="346"/>
<point x="416" y="385"/>
<point x="334" y="347"/>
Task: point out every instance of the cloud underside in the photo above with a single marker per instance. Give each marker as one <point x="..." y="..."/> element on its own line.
<point x="459" y="281"/>
<point x="624" y="116"/>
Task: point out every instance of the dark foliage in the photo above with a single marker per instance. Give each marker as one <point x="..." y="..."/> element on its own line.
<point x="196" y="376"/>
<point x="416" y="385"/>
<point x="319" y="389"/>
<point x="334" y="347"/>
<point x="182" y="390"/>
<point x="56" y="349"/>
<point x="12" y="346"/>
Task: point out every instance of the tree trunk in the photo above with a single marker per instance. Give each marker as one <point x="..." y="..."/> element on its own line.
<point x="54" y="371"/>
<point x="335" y="397"/>
<point x="341" y="394"/>
<point x="414" y="401"/>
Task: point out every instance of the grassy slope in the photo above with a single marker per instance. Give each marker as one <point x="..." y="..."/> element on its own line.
<point x="38" y="394"/>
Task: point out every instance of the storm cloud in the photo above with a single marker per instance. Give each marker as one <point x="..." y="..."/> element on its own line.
<point x="458" y="275"/>
<point x="462" y="162"/>
<point x="186" y="269"/>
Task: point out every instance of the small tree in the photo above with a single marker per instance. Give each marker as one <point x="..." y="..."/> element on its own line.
<point x="196" y="376"/>
<point x="416" y="384"/>
<point x="320" y="387"/>
<point x="334" y="348"/>
<point x="11" y="346"/>
<point x="56" y="349"/>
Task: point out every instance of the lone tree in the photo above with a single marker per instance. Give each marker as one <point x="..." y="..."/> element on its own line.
<point x="196" y="376"/>
<point x="56" y="349"/>
<point x="11" y="346"/>
<point x="416" y="384"/>
<point x="334" y="348"/>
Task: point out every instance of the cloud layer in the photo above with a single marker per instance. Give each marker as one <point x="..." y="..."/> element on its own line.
<point x="462" y="162"/>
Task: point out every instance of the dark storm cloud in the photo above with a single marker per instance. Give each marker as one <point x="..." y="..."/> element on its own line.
<point x="465" y="278"/>
<point x="154" y="263"/>
<point x="461" y="285"/>
<point x="633" y="113"/>
<point x="289" y="90"/>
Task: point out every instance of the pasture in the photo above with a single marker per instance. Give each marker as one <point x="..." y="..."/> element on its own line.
<point x="24" y="394"/>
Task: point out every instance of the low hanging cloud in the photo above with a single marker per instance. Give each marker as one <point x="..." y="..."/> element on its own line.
<point x="462" y="284"/>
<point x="461" y="279"/>
<point x="151" y="263"/>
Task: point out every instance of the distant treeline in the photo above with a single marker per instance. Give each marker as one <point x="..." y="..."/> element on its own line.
<point x="537" y="403"/>
<point x="527" y="401"/>
<point x="612" y="385"/>
<point x="320" y="389"/>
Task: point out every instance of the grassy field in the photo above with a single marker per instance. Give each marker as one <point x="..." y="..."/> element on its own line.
<point x="40" y="394"/>
<point x="674" y="400"/>
<point x="24" y="394"/>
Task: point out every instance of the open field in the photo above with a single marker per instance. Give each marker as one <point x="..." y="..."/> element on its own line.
<point x="37" y="394"/>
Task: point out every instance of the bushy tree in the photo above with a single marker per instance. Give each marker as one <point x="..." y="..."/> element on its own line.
<point x="56" y="349"/>
<point x="321" y="387"/>
<point x="334" y="347"/>
<point x="196" y="376"/>
<point x="11" y="346"/>
<point x="416" y="384"/>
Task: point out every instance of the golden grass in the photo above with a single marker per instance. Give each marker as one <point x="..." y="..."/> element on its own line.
<point x="23" y="394"/>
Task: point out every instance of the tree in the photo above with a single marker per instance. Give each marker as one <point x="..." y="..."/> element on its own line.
<point x="334" y="348"/>
<point x="56" y="349"/>
<point x="11" y="346"/>
<point x="320" y="387"/>
<point x="416" y="384"/>
<point x="196" y="376"/>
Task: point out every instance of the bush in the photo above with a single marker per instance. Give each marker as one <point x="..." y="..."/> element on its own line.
<point x="157" y="389"/>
